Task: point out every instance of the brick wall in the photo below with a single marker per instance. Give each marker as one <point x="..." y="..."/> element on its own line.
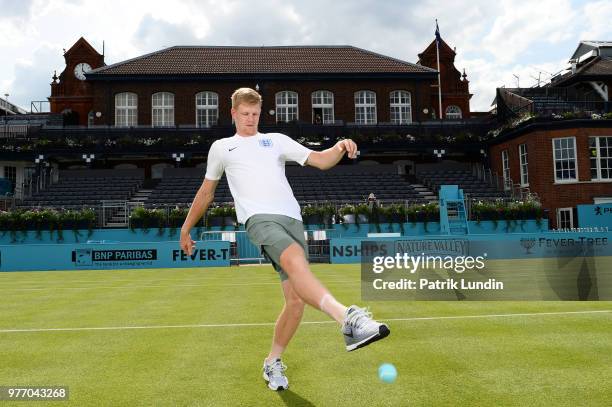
<point x="541" y="168"/>
<point x="184" y="98"/>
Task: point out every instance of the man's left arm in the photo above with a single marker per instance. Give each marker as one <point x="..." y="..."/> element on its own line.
<point x="326" y="159"/>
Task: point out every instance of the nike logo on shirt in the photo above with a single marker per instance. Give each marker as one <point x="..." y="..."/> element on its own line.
<point x="233" y="148"/>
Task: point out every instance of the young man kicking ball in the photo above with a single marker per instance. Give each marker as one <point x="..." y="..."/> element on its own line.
<point x="255" y="168"/>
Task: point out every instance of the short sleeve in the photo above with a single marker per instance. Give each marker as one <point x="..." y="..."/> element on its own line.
<point x="214" y="165"/>
<point x="291" y="150"/>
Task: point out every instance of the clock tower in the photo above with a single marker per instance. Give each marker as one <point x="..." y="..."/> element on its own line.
<point x="71" y="93"/>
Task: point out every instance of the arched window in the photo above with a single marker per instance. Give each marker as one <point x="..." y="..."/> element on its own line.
<point x="401" y="108"/>
<point x="207" y="109"/>
<point x="162" y="104"/>
<point x="453" y="112"/>
<point x="286" y="106"/>
<point x="365" y="107"/>
<point x="126" y="109"/>
<point x="322" y="107"/>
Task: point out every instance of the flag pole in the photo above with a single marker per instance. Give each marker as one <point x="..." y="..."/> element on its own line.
<point x="439" y="80"/>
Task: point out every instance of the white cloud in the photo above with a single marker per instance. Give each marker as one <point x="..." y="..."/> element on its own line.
<point x="520" y="24"/>
<point x="599" y="17"/>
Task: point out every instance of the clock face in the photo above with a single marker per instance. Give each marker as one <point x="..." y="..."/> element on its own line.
<point x="81" y="69"/>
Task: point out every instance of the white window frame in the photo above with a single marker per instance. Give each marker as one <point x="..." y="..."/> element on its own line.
<point x="286" y="110"/>
<point x="162" y="111"/>
<point x="523" y="164"/>
<point x="400" y="107"/>
<point x="571" y="217"/>
<point x="324" y="100"/>
<point x="365" y="107"/>
<point x="206" y="108"/>
<point x="453" y="112"/>
<point x="126" y="113"/>
<point x="566" y="159"/>
<point x="506" y="170"/>
<point x="10" y="173"/>
<point x="598" y="158"/>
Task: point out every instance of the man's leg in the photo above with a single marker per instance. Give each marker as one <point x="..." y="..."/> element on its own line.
<point x="287" y="322"/>
<point x="307" y="286"/>
<point x="358" y="327"/>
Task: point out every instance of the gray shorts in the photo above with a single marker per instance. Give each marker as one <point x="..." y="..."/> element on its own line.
<point x="273" y="234"/>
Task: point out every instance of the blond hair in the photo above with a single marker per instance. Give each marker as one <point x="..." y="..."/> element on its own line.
<point x="247" y="96"/>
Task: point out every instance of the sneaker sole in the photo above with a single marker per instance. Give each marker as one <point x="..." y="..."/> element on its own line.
<point x="383" y="332"/>
<point x="267" y="379"/>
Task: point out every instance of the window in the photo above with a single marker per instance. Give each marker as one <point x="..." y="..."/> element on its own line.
<point x="565" y="218"/>
<point x="506" y="170"/>
<point x="523" y="162"/>
<point x="163" y="109"/>
<point x="453" y="112"/>
<point x="207" y="109"/>
<point x="564" y="152"/>
<point x="10" y="173"/>
<point x="322" y="107"/>
<point x="90" y="118"/>
<point x="401" y="110"/>
<point x="365" y="107"/>
<point x="600" y="153"/>
<point x="286" y="106"/>
<point x="126" y="109"/>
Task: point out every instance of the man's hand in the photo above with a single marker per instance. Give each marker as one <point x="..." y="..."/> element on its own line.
<point x="349" y="146"/>
<point x="187" y="244"/>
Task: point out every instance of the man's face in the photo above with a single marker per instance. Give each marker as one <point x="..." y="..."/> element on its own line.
<point x="246" y="118"/>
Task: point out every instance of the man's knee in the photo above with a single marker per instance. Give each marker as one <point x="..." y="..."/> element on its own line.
<point x="295" y="306"/>
<point x="293" y="258"/>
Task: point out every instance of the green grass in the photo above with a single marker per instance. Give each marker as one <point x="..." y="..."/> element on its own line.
<point x="556" y="359"/>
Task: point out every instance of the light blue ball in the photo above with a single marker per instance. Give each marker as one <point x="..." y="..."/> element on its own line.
<point x="387" y="373"/>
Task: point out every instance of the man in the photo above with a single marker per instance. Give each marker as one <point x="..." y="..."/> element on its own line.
<point x="255" y="168"/>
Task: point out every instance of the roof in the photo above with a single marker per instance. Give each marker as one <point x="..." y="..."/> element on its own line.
<point x="597" y="68"/>
<point x="204" y="60"/>
<point x="586" y="46"/>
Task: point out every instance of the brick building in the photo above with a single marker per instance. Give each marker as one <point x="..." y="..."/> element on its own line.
<point x="455" y="86"/>
<point x="564" y="163"/>
<point x="563" y="151"/>
<point x="191" y="86"/>
<point x="71" y="93"/>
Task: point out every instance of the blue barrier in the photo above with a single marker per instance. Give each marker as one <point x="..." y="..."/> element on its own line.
<point x="345" y="250"/>
<point x="96" y="256"/>
<point x="599" y="215"/>
<point x="347" y="230"/>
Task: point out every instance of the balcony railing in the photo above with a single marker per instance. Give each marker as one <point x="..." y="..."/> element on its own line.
<point x="147" y="139"/>
<point x="550" y="102"/>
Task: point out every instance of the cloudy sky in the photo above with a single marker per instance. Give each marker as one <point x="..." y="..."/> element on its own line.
<point x="494" y="40"/>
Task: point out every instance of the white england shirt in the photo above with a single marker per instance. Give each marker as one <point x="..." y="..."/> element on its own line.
<point x="255" y="169"/>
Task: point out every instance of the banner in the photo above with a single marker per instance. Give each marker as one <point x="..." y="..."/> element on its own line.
<point x="116" y="255"/>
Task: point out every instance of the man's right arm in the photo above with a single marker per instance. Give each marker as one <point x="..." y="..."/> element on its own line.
<point x="204" y="197"/>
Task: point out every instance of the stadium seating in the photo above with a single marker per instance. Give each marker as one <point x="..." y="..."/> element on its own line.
<point x="471" y="185"/>
<point x="341" y="184"/>
<point x="80" y="188"/>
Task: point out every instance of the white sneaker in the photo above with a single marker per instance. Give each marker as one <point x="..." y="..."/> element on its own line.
<point x="274" y="374"/>
<point x="359" y="329"/>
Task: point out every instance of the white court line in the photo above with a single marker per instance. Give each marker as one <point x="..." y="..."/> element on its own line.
<point x="258" y="324"/>
<point x="95" y="287"/>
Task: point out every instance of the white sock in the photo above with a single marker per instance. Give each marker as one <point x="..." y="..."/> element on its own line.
<point x="333" y="308"/>
<point x="275" y="353"/>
